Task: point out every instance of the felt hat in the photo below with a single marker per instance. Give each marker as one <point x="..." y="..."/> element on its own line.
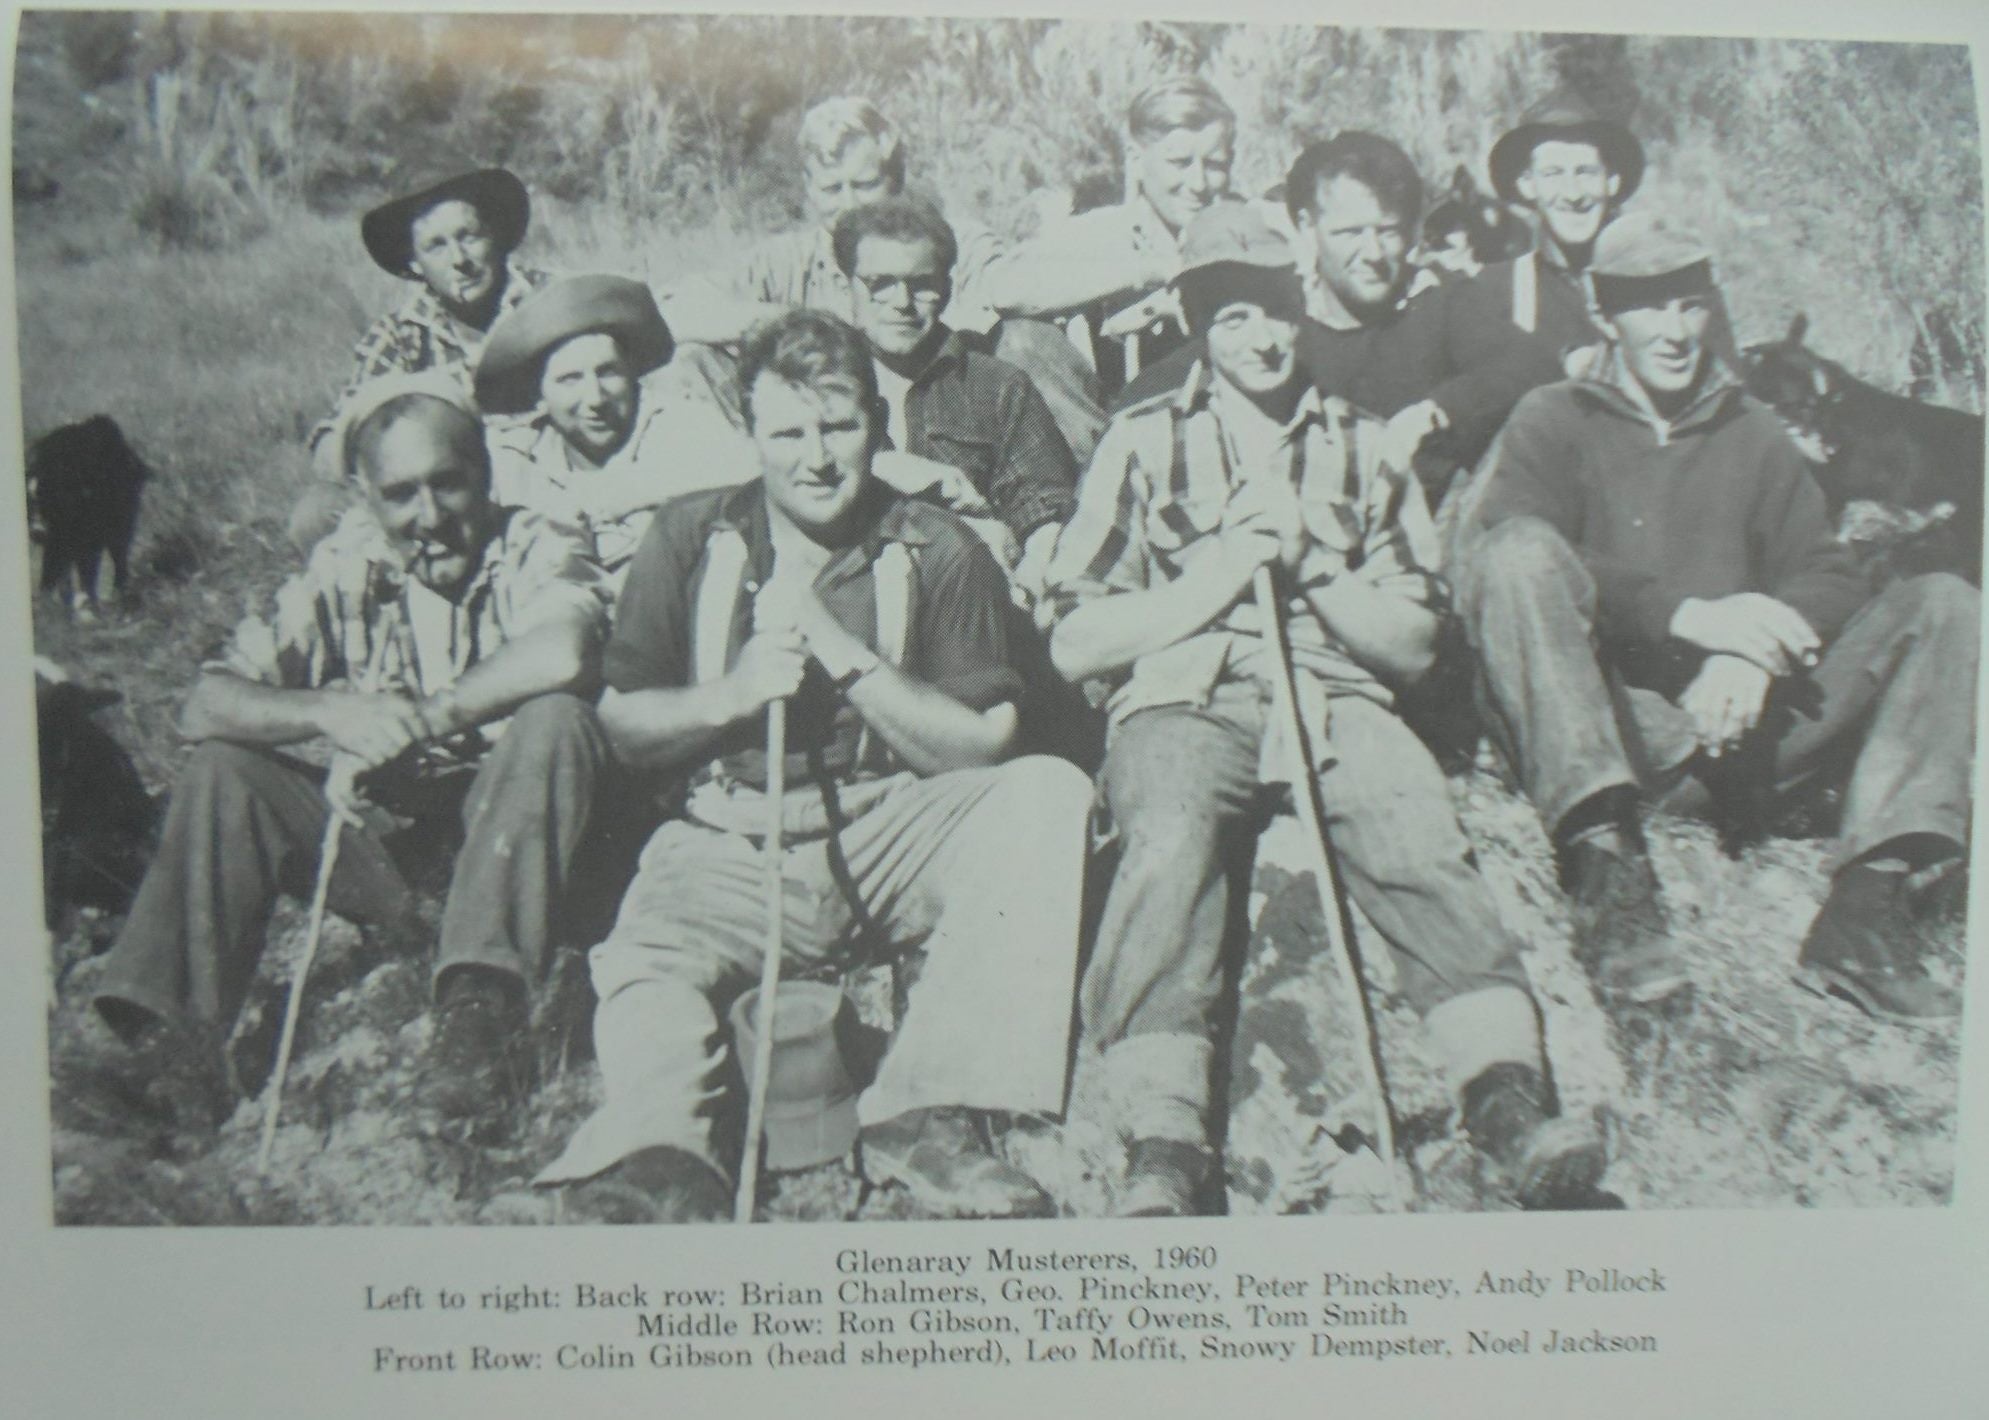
<point x="1566" y="116"/>
<point x="498" y="195"/>
<point x="1231" y="252"/>
<point x="514" y="353"/>
<point x="1644" y="259"/>
<point x="821" y="1060"/>
<point x="383" y="389"/>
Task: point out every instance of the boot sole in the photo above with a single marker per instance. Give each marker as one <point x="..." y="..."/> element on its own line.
<point x="1564" y="1176"/>
<point x="1834" y="984"/>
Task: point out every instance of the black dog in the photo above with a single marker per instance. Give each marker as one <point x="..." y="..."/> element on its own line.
<point x="96" y="816"/>
<point x="84" y="482"/>
<point x="1468" y="230"/>
<point x="1869" y="446"/>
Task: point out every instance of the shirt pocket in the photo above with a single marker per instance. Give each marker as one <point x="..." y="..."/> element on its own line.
<point x="972" y="453"/>
<point x="1174" y="524"/>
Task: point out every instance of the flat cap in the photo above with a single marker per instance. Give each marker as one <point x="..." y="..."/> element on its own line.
<point x="1641" y="244"/>
<point x="514" y="354"/>
<point x="369" y="397"/>
<point x="1231" y="252"/>
<point x="1233" y="232"/>
<point x="497" y="194"/>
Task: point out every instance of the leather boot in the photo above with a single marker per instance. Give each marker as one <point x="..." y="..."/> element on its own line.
<point x="1165" y="1178"/>
<point x="1865" y="947"/>
<point x="941" y="1157"/>
<point x="659" y="1184"/>
<point x="1547" y="1160"/>
<point x="1621" y="936"/>
<point x="473" y="1073"/>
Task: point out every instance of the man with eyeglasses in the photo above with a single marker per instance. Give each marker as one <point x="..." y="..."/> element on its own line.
<point x="966" y="429"/>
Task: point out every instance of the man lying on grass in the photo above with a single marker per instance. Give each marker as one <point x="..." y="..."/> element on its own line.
<point x="440" y="646"/>
<point x="1247" y="465"/>
<point x="880" y="622"/>
<point x="1659" y="603"/>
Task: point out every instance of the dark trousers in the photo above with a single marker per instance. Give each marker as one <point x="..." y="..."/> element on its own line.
<point x="246" y="822"/>
<point x="1892" y="700"/>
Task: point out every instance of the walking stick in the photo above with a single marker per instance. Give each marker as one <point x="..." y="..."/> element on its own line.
<point x="763" y="1037"/>
<point x="1304" y="792"/>
<point x="292" y="1008"/>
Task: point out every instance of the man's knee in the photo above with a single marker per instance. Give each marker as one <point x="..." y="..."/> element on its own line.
<point x="218" y="770"/>
<point x="553" y="723"/>
<point x="1521" y="548"/>
<point x="1942" y="601"/>
<point x="1048" y="789"/>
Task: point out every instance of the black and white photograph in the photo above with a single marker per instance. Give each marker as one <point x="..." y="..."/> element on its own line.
<point x="684" y="618"/>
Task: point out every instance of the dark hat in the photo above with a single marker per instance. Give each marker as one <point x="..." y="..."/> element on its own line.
<point x="1566" y="116"/>
<point x="507" y="210"/>
<point x="514" y="354"/>
<point x="1231" y="252"/>
<point x="1643" y="259"/>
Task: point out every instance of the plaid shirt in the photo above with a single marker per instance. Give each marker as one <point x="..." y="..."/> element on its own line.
<point x="420" y="335"/>
<point x="1157" y="494"/>
<point x="679" y="445"/>
<point x="324" y="624"/>
<point x="982" y="416"/>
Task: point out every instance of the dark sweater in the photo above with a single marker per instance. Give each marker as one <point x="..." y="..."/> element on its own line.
<point x="1717" y="502"/>
<point x="1449" y="343"/>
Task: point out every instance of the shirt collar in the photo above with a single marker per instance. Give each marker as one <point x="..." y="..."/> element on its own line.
<point x="745" y="512"/>
<point x="1199" y="387"/>
<point x="949" y="349"/>
<point x="426" y="308"/>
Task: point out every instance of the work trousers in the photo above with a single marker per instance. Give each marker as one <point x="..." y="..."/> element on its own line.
<point x="1891" y="702"/>
<point x="243" y="820"/>
<point x="1181" y="782"/>
<point x="984" y="867"/>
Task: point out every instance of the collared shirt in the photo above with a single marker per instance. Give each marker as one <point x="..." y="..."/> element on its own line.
<point x="983" y="416"/>
<point x="680" y="444"/>
<point x="325" y="623"/>
<point x="1713" y="501"/>
<point x="420" y="334"/>
<point x="1125" y="235"/>
<point x="1156" y="497"/>
<point x="799" y="268"/>
<point x="955" y="635"/>
<point x="1561" y="311"/>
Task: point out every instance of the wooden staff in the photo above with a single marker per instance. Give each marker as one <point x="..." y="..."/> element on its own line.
<point x="1304" y="792"/>
<point x="763" y="1022"/>
<point x="292" y="1008"/>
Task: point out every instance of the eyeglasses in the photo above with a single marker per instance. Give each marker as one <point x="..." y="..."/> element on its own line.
<point x="923" y="290"/>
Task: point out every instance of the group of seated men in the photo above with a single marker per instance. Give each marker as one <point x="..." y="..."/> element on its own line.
<point x="873" y="480"/>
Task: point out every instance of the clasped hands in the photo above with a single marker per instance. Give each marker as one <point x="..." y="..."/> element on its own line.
<point x="790" y="627"/>
<point x="368" y="729"/>
<point x="1750" y="639"/>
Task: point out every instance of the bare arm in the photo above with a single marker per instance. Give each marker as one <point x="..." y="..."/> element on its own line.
<point x="669" y="726"/>
<point x="1069" y="267"/>
<point x="927" y="728"/>
<point x="1388" y="634"/>
<point x="1109" y="633"/>
<point x="562" y="654"/>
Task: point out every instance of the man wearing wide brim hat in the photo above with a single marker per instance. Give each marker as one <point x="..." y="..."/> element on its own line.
<point x="453" y="240"/>
<point x="603" y="446"/>
<point x="1246" y="463"/>
<point x="1573" y="167"/>
<point x="1660" y="604"/>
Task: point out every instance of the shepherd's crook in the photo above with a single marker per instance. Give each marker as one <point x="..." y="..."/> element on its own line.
<point x="763" y="1017"/>
<point x="292" y="1008"/>
<point x="1304" y="792"/>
